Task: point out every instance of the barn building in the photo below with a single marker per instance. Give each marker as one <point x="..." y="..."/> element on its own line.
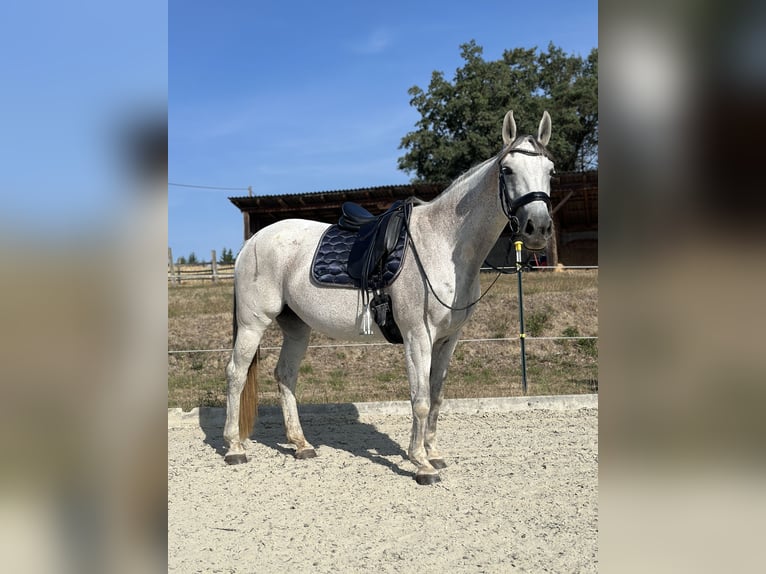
<point x="574" y="197"/>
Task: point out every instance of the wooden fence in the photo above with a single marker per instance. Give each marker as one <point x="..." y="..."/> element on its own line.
<point x="198" y="272"/>
<point x="214" y="271"/>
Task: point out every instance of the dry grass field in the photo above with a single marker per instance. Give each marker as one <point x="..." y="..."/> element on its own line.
<point x="555" y="303"/>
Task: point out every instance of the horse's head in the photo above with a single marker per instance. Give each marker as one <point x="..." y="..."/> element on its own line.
<point x="525" y="182"/>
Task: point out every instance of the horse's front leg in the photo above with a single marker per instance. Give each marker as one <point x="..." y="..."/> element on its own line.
<point x="442" y="353"/>
<point x="417" y="356"/>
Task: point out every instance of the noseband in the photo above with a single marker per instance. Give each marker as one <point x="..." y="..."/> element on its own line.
<point x="511" y="206"/>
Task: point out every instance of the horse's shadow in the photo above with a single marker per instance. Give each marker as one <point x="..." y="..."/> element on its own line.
<point x="341" y="430"/>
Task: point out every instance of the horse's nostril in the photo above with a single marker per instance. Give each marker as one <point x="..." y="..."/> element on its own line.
<point x="549" y="229"/>
<point x="529" y="228"/>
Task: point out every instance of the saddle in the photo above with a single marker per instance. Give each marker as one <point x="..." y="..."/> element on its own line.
<point x="366" y="251"/>
<point x="376" y="237"/>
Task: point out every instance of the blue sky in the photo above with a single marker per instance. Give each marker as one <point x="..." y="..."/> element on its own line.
<point x="295" y="97"/>
<point x="72" y="79"/>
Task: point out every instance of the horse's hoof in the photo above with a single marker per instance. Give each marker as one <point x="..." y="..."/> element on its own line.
<point x="305" y="453"/>
<point x="427" y="478"/>
<point x="437" y="463"/>
<point x="235" y="459"/>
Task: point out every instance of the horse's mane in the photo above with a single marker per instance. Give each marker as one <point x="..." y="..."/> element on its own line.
<point x="470" y="173"/>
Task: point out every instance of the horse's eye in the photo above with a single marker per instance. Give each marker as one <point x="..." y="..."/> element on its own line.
<point x="507" y="170"/>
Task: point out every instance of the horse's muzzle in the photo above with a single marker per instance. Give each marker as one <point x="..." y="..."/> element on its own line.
<point x="536" y="231"/>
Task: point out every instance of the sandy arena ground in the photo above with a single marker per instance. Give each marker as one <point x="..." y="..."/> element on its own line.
<point x="520" y="494"/>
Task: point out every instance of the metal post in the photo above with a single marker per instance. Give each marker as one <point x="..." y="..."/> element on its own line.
<point x="522" y="335"/>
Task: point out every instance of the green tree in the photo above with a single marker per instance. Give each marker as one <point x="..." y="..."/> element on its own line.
<point x="227" y="256"/>
<point x="461" y="120"/>
<point x="192" y="259"/>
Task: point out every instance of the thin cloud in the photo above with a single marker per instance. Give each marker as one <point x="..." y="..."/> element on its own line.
<point x="376" y="42"/>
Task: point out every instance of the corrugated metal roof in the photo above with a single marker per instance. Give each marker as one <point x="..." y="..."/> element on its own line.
<point x="566" y="178"/>
<point x="407" y="188"/>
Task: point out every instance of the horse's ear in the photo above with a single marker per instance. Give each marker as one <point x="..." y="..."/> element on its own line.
<point x="509" y="128"/>
<point x="544" y="131"/>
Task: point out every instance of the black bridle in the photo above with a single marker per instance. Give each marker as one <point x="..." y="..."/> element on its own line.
<point x="511" y="206"/>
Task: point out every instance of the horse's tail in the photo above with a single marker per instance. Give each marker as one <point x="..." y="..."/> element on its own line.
<point x="248" y="403"/>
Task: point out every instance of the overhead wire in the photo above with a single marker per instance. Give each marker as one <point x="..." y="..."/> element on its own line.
<point x="208" y="187"/>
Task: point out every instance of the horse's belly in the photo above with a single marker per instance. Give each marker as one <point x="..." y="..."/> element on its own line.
<point x="333" y="311"/>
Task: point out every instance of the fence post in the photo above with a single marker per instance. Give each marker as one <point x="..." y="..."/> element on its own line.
<point x="522" y="334"/>
<point x="552" y="252"/>
<point x="171" y="266"/>
<point x="214" y="265"/>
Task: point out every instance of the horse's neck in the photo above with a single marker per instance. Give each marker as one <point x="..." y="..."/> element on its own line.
<point x="469" y="217"/>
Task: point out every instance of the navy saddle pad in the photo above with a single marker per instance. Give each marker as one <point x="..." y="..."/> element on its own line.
<point x="330" y="265"/>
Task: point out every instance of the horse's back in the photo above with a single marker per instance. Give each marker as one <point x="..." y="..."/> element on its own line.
<point x="284" y="243"/>
<point x="287" y="231"/>
<point x="268" y="258"/>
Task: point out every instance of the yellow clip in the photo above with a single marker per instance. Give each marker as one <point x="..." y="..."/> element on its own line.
<point x="518" y="245"/>
<point x="522" y="335"/>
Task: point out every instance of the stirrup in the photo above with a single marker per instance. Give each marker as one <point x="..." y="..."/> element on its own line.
<point x="365" y="327"/>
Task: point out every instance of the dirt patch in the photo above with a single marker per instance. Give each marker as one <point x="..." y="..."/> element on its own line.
<point x="520" y="494"/>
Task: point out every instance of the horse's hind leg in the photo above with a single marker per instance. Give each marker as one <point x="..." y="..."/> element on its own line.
<point x="296" y="340"/>
<point x="245" y="346"/>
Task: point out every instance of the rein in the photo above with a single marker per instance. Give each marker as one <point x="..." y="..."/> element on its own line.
<point x="431" y="287"/>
